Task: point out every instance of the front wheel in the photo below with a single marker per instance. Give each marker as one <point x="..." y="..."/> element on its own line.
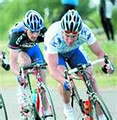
<point x="3" y="112"/>
<point x="46" y="109"/>
<point x="96" y="100"/>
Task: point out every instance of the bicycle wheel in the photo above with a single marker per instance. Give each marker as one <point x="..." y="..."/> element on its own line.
<point x="3" y="112"/>
<point x="77" y="104"/>
<point x="96" y="99"/>
<point x="50" y="112"/>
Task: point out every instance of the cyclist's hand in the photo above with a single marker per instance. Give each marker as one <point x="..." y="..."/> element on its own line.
<point x="21" y="81"/>
<point x="4" y="61"/>
<point x="67" y="85"/>
<point x="6" y="66"/>
<point x="108" y="68"/>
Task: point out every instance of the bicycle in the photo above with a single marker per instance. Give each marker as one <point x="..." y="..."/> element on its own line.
<point x="3" y="112"/>
<point x="87" y="107"/>
<point x="39" y="96"/>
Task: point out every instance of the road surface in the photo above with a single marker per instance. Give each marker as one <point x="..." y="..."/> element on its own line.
<point x="10" y="98"/>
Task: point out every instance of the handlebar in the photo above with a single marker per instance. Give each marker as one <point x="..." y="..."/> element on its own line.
<point x="84" y="66"/>
<point x="35" y="65"/>
<point x="31" y="66"/>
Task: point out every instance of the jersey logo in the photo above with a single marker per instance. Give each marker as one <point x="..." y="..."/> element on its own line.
<point x="56" y="42"/>
<point x="20" y="39"/>
<point x="86" y="33"/>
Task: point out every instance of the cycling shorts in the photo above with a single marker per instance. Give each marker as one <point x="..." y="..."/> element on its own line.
<point x="35" y="54"/>
<point x="73" y="58"/>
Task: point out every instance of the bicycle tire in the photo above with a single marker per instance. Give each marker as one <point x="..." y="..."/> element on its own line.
<point x="97" y="99"/>
<point x="51" y="110"/>
<point x="3" y="112"/>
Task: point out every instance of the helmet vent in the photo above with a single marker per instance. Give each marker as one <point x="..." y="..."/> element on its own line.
<point x="77" y="19"/>
<point x="80" y="26"/>
<point x="34" y="18"/>
<point x="74" y="18"/>
<point x="33" y="21"/>
<point x="71" y="26"/>
<point x="31" y="26"/>
<point x="40" y="21"/>
<point x="63" y="25"/>
<point x="38" y="26"/>
<point x="67" y="26"/>
<point x="35" y="25"/>
<point x="27" y="21"/>
<point x="76" y="27"/>
<point x="31" y="18"/>
<point x="66" y="17"/>
<point x="70" y="18"/>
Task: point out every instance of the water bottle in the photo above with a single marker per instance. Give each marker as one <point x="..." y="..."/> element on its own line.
<point x="34" y="96"/>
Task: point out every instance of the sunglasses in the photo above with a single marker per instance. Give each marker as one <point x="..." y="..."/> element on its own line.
<point x="34" y="31"/>
<point x="73" y="32"/>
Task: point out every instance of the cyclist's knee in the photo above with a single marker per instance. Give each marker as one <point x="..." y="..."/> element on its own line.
<point x="24" y="59"/>
<point x="43" y="74"/>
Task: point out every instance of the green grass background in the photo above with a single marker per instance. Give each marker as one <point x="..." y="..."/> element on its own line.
<point x="7" y="78"/>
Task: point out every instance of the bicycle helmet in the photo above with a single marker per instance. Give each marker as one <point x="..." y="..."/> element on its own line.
<point x="71" y="21"/>
<point x="33" y="21"/>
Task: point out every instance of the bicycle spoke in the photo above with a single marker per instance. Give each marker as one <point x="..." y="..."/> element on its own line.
<point x="98" y="102"/>
<point x="3" y="113"/>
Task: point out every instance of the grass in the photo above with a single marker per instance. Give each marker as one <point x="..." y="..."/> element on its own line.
<point x="104" y="81"/>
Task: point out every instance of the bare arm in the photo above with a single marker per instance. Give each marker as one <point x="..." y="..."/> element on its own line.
<point x="13" y="61"/>
<point x="95" y="48"/>
<point x="52" y="65"/>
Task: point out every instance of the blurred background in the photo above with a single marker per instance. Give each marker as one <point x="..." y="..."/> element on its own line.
<point x="12" y="11"/>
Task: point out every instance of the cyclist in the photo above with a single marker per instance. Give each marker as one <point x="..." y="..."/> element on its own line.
<point x="3" y="61"/>
<point x="63" y="43"/>
<point x="24" y="38"/>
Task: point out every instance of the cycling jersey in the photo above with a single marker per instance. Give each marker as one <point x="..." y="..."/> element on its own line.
<point x="73" y="58"/>
<point x="55" y="43"/>
<point x="19" y="39"/>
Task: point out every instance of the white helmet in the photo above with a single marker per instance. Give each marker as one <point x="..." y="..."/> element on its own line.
<point x="71" y="21"/>
<point x="33" y="21"/>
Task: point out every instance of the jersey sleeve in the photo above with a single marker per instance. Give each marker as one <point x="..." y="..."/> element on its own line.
<point x="12" y="41"/>
<point x="91" y="39"/>
<point x="42" y="34"/>
<point x="87" y="35"/>
<point x="52" y="47"/>
<point x="52" y="41"/>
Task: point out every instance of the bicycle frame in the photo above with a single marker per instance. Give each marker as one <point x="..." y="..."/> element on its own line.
<point x="41" y="90"/>
<point x="92" y="96"/>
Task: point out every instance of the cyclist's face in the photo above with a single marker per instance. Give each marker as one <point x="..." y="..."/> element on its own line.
<point x="32" y="35"/>
<point x="70" y="38"/>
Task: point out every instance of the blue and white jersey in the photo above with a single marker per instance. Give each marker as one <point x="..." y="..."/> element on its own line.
<point x="55" y="43"/>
